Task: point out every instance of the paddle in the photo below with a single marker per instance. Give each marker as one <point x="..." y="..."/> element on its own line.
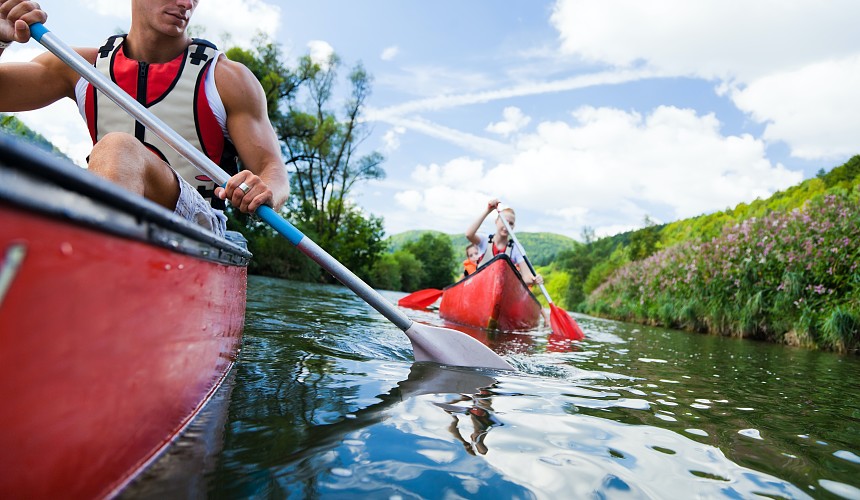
<point x="422" y="299"/>
<point x="560" y="322"/>
<point x="429" y="343"/>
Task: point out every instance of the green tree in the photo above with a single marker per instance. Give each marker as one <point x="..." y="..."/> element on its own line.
<point x="386" y="273"/>
<point x="643" y="242"/>
<point x="323" y="149"/>
<point x="411" y="270"/>
<point x="397" y="271"/>
<point x="437" y="259"/>
<point x="357" y="241"/>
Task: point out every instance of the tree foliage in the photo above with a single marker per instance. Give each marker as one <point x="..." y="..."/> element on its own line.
<point x="322" y="150"/>
<point x="437" y="259"/>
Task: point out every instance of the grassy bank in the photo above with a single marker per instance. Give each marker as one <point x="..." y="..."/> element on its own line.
<point x="785" y="277"/>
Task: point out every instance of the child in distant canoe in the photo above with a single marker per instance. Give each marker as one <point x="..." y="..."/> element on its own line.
<point x="473" y="255"/>
<point x="499" y="242"/>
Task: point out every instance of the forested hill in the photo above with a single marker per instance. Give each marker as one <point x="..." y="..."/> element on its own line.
<point x="541" y="248"/>
<point x="14" y="126"/>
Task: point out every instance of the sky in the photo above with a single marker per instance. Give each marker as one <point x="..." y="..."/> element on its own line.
<point x="577" y="113"/>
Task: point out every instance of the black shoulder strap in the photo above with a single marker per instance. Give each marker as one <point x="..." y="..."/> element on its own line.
<point x="109" y="45"/>
<point x="199" y="56"/>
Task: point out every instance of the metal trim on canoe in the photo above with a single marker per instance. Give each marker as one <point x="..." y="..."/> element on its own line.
<point x="43" y="183"/>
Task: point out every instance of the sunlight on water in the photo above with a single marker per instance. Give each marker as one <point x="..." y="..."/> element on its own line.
<point x="327" y="402"/>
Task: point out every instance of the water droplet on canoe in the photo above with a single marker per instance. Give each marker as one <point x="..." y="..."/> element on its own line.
<point x="167" y="267"/>
<point x="66" y="248"/>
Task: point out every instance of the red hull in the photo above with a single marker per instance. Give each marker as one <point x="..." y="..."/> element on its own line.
<point x="110" y="346"/>
<point x="495" y="297"/>
<point x="118" y="322"/>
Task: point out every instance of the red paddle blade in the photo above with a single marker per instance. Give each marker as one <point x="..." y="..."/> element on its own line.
<point x="422" y="299"/>
<point x="562" y="324"/>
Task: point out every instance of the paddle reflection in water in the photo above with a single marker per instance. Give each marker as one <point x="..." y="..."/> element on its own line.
<point x="526" y="439"/>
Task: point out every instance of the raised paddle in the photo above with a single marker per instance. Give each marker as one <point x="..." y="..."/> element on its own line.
<point x="422" y="299"/>
<point x="560" y="322"/>
<point x="429" y="343"/>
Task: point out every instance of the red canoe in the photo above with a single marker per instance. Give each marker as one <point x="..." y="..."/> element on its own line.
<point x="495" y="297"/>
<point x="118" y="321"/>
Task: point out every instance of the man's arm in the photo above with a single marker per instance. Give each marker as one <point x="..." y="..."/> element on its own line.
<point x="40" y="82"/>
<point x="255" y="140"/>
<point x="32" y="85"/>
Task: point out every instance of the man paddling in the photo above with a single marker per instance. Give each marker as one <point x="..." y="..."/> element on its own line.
<point x="214" y="103"/>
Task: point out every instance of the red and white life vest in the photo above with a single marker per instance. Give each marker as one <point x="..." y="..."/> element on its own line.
<point x="175" y="92"/>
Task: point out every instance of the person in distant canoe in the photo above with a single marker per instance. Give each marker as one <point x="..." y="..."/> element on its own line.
<point x="216" y="104"/>
<point x="500" y="242"/>
<point x="473" y="255"/>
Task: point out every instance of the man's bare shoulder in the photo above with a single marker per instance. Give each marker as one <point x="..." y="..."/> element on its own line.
<point x="237" y="84"/>
<point x="233" y="73"/>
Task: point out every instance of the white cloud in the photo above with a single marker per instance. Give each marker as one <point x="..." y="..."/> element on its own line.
<point x="389" y="53"/>
<point x="812" y="108"/>
<point x="391" y="139"/>
<point x="470" y="142"/>
<point x="514" y="120"/>
<point x="320" y="52"/>
<point x="608" y="168"/>
<point x="457" y="173"/>
<point x="796" y="63"/>
<point x="410" y="200"/>
<point x="707" y="38"/>
<point x="110" y="8"/>
<point x="441" y="101"/>
<point x="220" y="17"/>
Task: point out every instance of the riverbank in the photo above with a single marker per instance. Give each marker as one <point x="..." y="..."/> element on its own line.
<point x="786" y="277"/>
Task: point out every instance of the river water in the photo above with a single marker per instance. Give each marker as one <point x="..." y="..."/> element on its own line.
<point x="326" y="402"/>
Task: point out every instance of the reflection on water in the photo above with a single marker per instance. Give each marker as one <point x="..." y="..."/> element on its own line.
<point x="327" y="403"/>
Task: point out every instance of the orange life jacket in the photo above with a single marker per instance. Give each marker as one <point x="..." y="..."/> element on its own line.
<point x="469" y="267"/>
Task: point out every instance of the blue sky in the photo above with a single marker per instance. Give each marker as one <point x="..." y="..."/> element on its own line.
<point x="575" y="112"/>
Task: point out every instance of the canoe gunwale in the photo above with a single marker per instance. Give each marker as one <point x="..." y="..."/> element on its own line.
<point x="39" y="182"/>
<point x="507" y="259"/>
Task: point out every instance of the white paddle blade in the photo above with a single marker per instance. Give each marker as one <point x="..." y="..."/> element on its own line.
<point x="450" y="347"/>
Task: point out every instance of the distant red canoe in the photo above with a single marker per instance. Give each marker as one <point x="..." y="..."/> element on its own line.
<point x="494" y="297"/>
<point x="118" y="321"/>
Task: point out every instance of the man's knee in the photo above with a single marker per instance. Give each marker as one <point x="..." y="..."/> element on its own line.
<point x="122" y="159"/>
<point x="116" y="146"/>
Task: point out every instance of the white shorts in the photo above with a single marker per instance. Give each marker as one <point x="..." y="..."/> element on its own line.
<point x="193" y="207"/>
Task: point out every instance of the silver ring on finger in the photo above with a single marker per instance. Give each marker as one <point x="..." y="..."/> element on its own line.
<point x="244" y="187"/>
